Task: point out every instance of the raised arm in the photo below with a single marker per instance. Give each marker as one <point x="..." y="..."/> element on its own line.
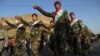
<point x="42" y="24"/>
<point x="43" y="12"/>
<point x="22" y="20"/>
<point x="10" y="24"/>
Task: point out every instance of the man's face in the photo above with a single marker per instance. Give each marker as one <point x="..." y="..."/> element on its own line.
<point x="73" y="16"/>
<point x="34" y="18"/>
<point x="80" y="23"/>
<point x="57" y="6"/>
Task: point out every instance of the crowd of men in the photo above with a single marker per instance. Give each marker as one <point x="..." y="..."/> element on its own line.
<point x="65" y="33"/>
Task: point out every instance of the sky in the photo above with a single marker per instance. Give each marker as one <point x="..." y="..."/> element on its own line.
<point x="86" y="10"/>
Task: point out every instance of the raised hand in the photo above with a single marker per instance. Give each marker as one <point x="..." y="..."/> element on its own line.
<point x="36" y="7"/>
<point x="18" y="17"/>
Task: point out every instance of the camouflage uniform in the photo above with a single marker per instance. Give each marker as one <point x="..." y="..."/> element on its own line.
<point x="51" y="38"/>
<point x="20" y="36"/>
<point x="59" y="32"/>
<point x="85" y="40"/>
<point x="76" y="39"/>
<point x="37" y="33"/>
<point x="20" y="30"/>
<point x="3" y="40"/>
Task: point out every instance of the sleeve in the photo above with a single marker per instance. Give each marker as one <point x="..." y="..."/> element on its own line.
<point x="42" y="24"/>
<point x="10" y="24"/>
<point x="45" y="13"/>
<point x="25" y="22"/>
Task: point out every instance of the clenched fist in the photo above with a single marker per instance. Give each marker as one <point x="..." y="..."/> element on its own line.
<point x="36" y="7"/>
<point x="18" y="17"/>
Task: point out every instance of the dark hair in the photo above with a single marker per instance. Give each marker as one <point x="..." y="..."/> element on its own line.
<point x="57" y="2"/>
<point x="80" y="21"/>
<point x="35" y="14"/>
<point x="72" y="13"/>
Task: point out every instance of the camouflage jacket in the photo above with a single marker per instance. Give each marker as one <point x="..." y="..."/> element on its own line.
<point x="36" y="26"/>
<point x="3" y="34"/>
<point x="84" y="31"/>
<point x="20" y="30"/>
<point x="3" y="37"/>
<point x="62" y="23"/>
<point x="75" y="28"/>
<point x="18" y="27"/>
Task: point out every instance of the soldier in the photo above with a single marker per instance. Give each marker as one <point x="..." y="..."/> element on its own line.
<point x="51" y="35"/>
<point x="76" y="39"/>
<point x="60" y="18"/>
<point x="80" y="32"/>
<point x="85" y="38"/>
<point x="52" y="27"/>
<point x="37" y="29"/>
<point x="20" y="34"/>
<point x="3" y="39"/>
<point x="20" y="29"/>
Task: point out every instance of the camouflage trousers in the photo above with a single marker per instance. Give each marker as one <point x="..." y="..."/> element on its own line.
<point x="77" y="46"/>
<point x="85" y="46"/>
<point x="36" y="44"/>
<point x="80" y="46"/>
<point x="60" y="43"/>
<point x="19" y="49"/>
<point x="20" y="36"/>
